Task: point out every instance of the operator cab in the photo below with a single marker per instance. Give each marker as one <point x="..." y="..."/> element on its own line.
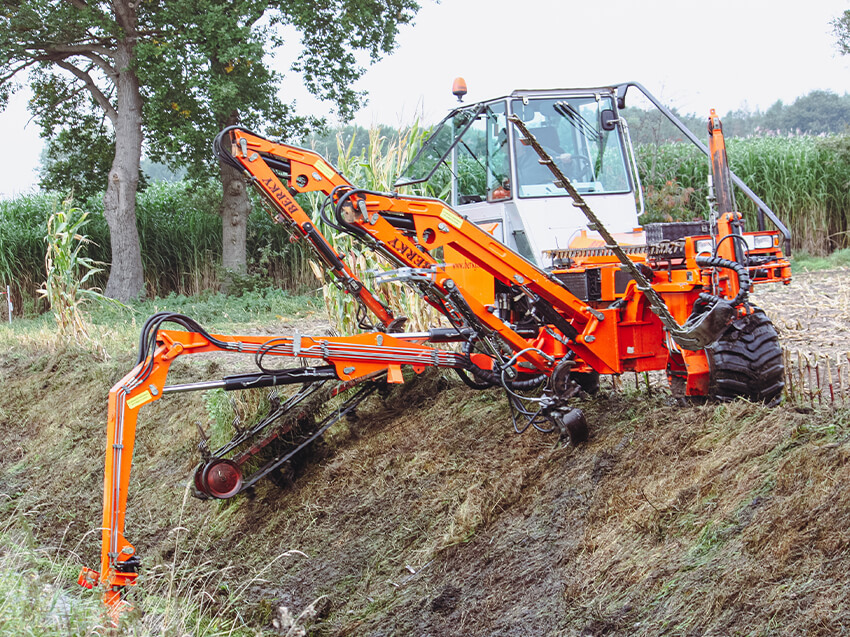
<point x="475" y="159"/>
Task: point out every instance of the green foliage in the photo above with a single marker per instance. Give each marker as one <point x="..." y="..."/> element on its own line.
<point x="841" y="30"/>
<point x="814" y="113"/>
<point x="214" y="73"/>
<point x="355" y="139"/>
<point x="66" y="169"/>
<point x="817" y="112"/>
<point x="650" y="126"/>
<point x="194" y="66"/>
<point x="68" y="270"/>
<point x="180" y="233"/>
<point x="805" y="180"/>
<point x="23" y="226"/>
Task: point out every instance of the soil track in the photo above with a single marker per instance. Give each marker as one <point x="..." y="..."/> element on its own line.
<point x="813" y="313"/>
<point x="428" y="516"/>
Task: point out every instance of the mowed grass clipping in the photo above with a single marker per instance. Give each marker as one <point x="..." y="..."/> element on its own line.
<point x="427" y="515"/>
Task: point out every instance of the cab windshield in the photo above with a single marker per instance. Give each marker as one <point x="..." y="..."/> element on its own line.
<point x="571" y="132"/>
<point x="461" y="129"/>
<point x="474" y="139"/>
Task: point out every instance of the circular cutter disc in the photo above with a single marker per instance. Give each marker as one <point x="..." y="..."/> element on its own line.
<point x="221" y="478"/>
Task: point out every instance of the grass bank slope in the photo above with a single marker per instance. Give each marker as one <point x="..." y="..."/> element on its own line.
<point x="427" y="515"/>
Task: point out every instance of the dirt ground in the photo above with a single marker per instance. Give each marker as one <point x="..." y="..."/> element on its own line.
<point x="812" y="314"/>
<point x="428" y="516"/>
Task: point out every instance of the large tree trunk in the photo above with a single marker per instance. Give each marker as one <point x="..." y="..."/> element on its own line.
<point x="235" y="208"/>
<point x="126" y="277"/>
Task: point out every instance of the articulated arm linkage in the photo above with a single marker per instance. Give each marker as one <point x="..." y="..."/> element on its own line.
<point x="407" y="230"/>
<point x="352" y="359"/>
<point x="307" y="172"/>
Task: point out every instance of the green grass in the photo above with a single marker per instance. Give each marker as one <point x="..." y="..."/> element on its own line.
<point x="38" y="598"/>
<point x="805" y="262"/>
<point x="116" y="328"/>
<point x="34" y="598"/>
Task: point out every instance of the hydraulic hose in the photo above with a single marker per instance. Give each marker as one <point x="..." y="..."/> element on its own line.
<point x="351" y="228"/>
<point x="488" y="378"/>
<point x="741" y="271"/>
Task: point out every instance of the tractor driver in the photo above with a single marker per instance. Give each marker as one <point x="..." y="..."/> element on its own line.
<point x="547" y="127"/>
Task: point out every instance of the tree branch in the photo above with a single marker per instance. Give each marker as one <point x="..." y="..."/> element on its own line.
<point x="72" y="94"/>
<point x="79" y="4"/>
<point x="99" y="97"/>
<point x="78" y="49"/>
<point x="93" y="53"/>
<point x="13" y="72"/>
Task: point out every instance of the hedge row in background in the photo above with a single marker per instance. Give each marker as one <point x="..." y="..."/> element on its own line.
<point x="180" y="232"/>
<point x="805" y="180"/>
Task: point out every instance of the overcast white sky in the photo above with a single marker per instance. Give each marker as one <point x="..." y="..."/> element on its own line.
<point x="725" y="54"/>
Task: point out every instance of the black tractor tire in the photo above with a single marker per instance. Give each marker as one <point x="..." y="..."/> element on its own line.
<point x="747" y="362"/>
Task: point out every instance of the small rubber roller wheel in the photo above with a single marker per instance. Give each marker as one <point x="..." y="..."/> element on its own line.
<point x="220" y="478"/>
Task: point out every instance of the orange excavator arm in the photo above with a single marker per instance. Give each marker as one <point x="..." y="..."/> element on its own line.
<point x="351" y="359"/>
<point x="407" y="230"/>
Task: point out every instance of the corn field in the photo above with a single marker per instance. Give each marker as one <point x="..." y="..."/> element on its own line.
<point x="817" y="380"/>
<point x="805" y="180"/>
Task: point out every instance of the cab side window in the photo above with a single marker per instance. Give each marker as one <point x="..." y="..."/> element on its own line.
<point x="483" y="166"/>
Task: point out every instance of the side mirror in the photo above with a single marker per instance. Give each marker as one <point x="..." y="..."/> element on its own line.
<point x="621" y="96"/>
<point x="608" y="119"/>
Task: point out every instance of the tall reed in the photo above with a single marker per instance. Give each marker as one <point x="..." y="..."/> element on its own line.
<point x="180" y="235"/>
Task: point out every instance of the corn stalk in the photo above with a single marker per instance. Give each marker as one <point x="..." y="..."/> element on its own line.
<point x="374" y="169"/>
<point x="67" y="270"/>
